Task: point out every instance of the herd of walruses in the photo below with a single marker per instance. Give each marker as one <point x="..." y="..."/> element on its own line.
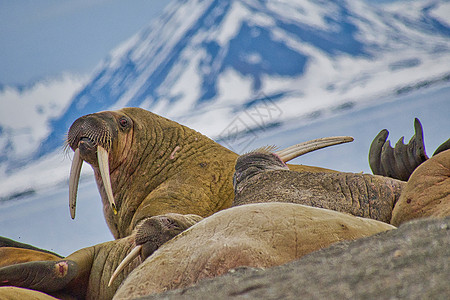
<point x="182" y="207"/>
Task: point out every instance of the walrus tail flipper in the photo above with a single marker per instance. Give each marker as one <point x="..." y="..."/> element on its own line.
<point x="398" y="162"/>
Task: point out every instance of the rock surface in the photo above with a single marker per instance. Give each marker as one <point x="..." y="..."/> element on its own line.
<point x="412" y="262"/>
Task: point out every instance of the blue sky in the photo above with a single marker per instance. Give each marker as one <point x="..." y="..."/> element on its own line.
<point x="44" y="38"/>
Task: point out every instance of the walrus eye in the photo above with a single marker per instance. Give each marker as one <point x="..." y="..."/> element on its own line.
<point x="123" y="122"/>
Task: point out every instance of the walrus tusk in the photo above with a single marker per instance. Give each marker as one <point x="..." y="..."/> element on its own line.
<point x="74" y="178"/>
<point x="103" y="165"/>
<point x="125" y="262"/>
<point x="309" y="146"/>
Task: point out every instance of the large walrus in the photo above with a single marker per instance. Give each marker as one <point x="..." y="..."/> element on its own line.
<point x="146" y="165"/>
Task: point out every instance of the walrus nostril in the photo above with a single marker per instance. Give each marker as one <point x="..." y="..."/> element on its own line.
<point x="88" y="141"/>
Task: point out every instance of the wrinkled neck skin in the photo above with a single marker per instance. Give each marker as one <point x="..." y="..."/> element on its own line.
<point x="150" y="165"/>
<point x="96" y="265"/>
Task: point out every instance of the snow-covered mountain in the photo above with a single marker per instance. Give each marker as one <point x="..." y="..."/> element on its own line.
<point x="205" y="62"/>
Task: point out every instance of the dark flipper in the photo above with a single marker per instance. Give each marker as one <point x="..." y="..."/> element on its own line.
<point x="398" y="162"/>
<point x="443" y="147"/>
<point x="45" y="276"/>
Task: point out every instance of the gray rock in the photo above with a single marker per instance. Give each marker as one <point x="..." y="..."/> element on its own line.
<point x="412" y="262"/>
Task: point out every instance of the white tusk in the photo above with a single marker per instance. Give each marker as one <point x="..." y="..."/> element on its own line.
<point x="309" y="146"/>
<point x="103" y="165"/>
<point x="74" y="178"/>
<point x="125" y="262"/>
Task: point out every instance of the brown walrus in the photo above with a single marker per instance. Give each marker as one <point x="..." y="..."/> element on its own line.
<point x="97" y="262"/>
<point x="261" y="176"/>
<point x="85" y="273"/>
<point x="146" y="165"/>
<point x="12" y="255"/>
<point x="256" y="235"/>
<point x="15" y="293"/>
<point x="13" y="252"/>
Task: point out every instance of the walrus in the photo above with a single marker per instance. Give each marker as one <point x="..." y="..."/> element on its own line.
<point x="14" y="293"/>
<point x="100" y="259"/>
<point x="13" y="252"/>
<point x="261" y="176"/>
<point x="427" y="193"/>
<point x="85" y="273"/>
<point x="146" y="165"/>
<point x="256" y="235"/>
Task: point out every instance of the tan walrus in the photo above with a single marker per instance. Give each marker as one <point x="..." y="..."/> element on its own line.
<point x="427" y="193"/>
<point x="256" y="235"/>
<point x="146" y="165"/>
<point x="95" y="137"/>
<point x="85" y="273"/>
<point x="16" y="293"/>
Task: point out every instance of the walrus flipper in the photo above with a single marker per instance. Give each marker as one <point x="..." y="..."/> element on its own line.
<point x="444" y="146"/>
<point x="398" y="162"/>
<point x="45" y="276"/>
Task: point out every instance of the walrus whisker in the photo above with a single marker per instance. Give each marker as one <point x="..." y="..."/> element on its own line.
<point x="125" y="262"/>
<point x="74" y="178"/>
<point x="309" y="146"/>
<point x="103" y="165"/>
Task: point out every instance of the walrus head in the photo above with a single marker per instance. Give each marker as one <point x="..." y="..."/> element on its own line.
<point x="266" y="159"/>
<point x="146" y="165"/>
<point x="92" y="138"/>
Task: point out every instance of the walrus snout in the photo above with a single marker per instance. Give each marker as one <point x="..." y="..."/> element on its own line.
<point x="98" y="128"/>
<point x="91" y="137"/>
<point x="153" y="232"/>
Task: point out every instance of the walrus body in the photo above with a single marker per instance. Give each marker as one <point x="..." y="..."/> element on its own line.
<point x="11" y="255"/>
<point x="427" y="193"/>
<point x="262" y="177"/>
<point x="15" y="293"/>
<point x="257" y="235"/>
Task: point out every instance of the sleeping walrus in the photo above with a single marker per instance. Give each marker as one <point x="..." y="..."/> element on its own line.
<point x="257" y="235"/>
